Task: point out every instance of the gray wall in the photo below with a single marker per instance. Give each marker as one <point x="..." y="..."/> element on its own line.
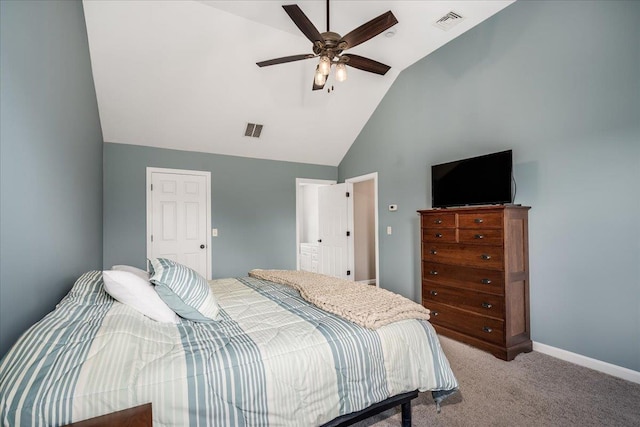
<point x="559" y="83"/>
<point x="252" y="205"/>
<point x="50" y="160"/>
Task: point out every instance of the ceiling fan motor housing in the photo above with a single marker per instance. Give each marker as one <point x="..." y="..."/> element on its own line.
<point x="331" y="46"/>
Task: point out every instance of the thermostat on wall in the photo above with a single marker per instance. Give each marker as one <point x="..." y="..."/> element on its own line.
<point x="393" y="207"/>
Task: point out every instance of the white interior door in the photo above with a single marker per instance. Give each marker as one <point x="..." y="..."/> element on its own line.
<point x="178" y="222"/>
<point x="335" y="250"/>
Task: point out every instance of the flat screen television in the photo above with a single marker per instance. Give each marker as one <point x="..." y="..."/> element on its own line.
<point x="482" y="180"/>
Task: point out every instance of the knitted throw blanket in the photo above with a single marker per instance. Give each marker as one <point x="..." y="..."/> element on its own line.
<point x="366" y="305"/>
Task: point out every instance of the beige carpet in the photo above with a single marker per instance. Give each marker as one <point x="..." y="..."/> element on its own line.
<point x="532" y="390"/>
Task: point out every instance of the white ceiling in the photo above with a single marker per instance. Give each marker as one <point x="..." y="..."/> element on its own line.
<point x="183" y="74"/>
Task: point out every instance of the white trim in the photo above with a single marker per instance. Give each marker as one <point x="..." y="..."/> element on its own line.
<point x="588" y="362"/>
<point x="299" y="182"/>
<point x="207" y="175"/>
<point x="372" y="176"/>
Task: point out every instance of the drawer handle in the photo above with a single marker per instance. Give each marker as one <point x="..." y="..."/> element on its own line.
<point x="478" y="220"/>
<point x="479" y="236"/>
<point x="433" y="252"/>
<point x="433" y="272"/>
<point x="438" y="235"/>
<point x="434" y="313"/>
<point x="487" y="305"/>
<point x="437" y="221"/>
<point x="487" y="329"/>
<point x="434" y="293"/>
<point x="486" y="256"/>
<point x="486" y="281"/>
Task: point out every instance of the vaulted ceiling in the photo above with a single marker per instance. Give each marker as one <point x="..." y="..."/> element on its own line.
<point x="183" y="74"/>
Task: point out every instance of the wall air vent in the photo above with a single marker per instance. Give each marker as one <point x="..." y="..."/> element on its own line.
<point x="448" y="21"/>
<point x="253" y="130"/>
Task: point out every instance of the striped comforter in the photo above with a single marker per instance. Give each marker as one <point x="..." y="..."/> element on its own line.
<point x="272" y="359"/>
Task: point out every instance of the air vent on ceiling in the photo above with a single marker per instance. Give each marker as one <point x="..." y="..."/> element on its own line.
<point x="449" y="20"/>
<point x="253" y="130"/>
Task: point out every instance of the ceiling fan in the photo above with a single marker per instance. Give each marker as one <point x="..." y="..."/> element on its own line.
<point x="329" y="46"/>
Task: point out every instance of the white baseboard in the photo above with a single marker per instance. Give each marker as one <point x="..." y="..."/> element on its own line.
<point x="368" y="282"/>
<point x="588" y="362"/>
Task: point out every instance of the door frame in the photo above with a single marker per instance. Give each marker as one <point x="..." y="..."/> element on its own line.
<point x="299" y="182"/>
<point x="372" y="176"/>
<point x="207" y="234"/>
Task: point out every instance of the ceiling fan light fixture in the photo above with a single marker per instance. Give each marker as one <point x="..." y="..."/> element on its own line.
<point x="319" y="78"/>
<point x="325" y="65"/>
<point x="341" y="72"/>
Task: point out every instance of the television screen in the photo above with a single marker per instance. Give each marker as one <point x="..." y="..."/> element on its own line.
<point x="483" y="180"/>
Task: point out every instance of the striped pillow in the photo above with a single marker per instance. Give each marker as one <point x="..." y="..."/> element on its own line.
<point x="183" y="290"/>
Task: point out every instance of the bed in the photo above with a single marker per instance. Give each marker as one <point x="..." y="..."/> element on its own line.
<point x="271" y="359"/>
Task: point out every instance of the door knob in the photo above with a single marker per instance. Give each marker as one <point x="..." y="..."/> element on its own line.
<point x="201" y="246"/>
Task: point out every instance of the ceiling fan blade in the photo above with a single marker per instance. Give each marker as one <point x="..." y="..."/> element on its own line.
<point x="303" y="23"/>
<point x="367" y="64"/>
<point x="284" y="59"/>
<point x="369" y="30"/>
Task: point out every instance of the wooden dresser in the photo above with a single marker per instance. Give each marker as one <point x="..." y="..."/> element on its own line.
<point x="475" y="276"/>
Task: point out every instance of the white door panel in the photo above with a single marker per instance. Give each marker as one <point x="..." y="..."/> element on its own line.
<point x="335" y="247"/>
<point x="178" y="219"/>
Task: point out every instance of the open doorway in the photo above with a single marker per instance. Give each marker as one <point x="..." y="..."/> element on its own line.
<point x="363" y="224"/>
<point x="365" y="227"/>
<point x="307" y="233"/>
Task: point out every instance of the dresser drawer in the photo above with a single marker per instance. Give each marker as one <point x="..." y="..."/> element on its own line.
<point x="439" y="220"/>
<point x="466" y="322"/>
<point x="482" y="236"/>
<point x="448" y="235"/>
<point x="480" y="220"/>
<point x="489" y="257"/>
<point x="476" y="279"/>
<point x="485" y="304"/>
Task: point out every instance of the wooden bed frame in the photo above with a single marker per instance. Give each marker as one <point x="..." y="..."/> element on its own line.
<point x="138" y="416"/>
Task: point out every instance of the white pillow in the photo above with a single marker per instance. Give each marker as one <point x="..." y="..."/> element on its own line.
<point x="137" y="271"/>
<point x="138" y="293"/>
